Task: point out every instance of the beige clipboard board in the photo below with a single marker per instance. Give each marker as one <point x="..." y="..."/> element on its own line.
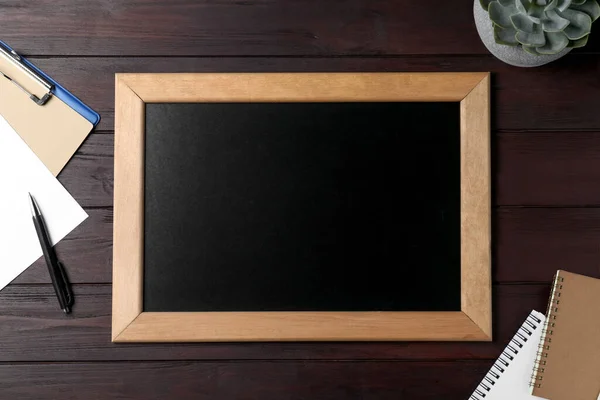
<point x="54" y="131"/>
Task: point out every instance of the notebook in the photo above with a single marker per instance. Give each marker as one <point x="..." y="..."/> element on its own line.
<point x="508" y="379"/>
<point x="568" y="362"/>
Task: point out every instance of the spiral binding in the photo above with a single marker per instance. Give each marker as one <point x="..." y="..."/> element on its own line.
<point x="506" y="358"/>
<point x="537" y="375"/>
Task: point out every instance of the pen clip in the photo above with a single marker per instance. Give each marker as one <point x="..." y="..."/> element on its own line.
<point x="67" y="286"/>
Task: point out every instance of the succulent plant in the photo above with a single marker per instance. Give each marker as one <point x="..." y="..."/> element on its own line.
<point x="542" y="26"/>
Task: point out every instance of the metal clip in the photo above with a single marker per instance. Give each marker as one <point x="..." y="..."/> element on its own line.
<point x="13" y="57"/>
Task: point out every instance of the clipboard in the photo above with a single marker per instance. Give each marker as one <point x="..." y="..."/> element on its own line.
<point x="52" y="121"/>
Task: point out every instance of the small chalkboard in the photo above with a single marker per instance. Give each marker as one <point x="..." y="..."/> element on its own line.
<point x="325" y="213"/>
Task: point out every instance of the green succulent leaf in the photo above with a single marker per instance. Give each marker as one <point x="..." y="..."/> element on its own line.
<point x="505" y="36"/>
<point x="522" y="23"/>
<point x="485" y="4"/>
<point x="554" y="22"/>
<point x="579" y="26"/>
<point x="555" y="43"/>
<point x="563" y="4"/>
<point x="501" y="15"/>
<point x="589" y="7"/>
<point x="531" y="49"/>
<point x="535" y="38"/>
<point x="551" y="6"/>
<point x="536" y="13"/>
<point x="542" y="26"/>
<point x="579" y="42"/>
<point x="522" y="6"/>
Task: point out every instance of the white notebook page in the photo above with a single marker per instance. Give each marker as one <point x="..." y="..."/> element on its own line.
<point x="509" y="377"/>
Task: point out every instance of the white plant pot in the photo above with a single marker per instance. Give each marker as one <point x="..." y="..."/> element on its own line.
<point x="511" y="55"/>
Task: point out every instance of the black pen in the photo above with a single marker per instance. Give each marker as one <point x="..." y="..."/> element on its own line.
<point x="55" y="267"/>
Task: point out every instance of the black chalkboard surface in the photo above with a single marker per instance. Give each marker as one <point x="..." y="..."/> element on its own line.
<point x="302" y="207"/>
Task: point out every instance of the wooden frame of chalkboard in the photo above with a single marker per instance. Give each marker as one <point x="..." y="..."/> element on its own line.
<point x="131" y="324"/>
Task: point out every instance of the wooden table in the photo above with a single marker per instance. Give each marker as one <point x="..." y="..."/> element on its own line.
<point x="546" y="192"/>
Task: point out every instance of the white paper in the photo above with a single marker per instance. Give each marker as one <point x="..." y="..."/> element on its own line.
<point x="22" y="172"/>
<point x="513" y="383"/>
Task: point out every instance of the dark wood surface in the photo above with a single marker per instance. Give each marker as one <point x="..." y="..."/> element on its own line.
<point x="546" y="192"/>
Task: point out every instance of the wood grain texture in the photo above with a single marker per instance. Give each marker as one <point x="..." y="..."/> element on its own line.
<point x="94" y="265"/>
<point x="550" y="157"/>
<point x="302" y="87"/>
<point x="225" y="28"/>
<point x="129" y="325"/>
<point x="522" y="98"/>
<point x="528" y="168"/>
<point x="89" y="176"/>
<point x="151" y="327"/>
<point x="547" y="168"/>
<point x="529" y="245"/>
<point x="128" y="232"/>
<point x="375" y="380"/>
<point x="536" y="242"/>
<point x="30" y="322"/>
<point x="475" y="207"/>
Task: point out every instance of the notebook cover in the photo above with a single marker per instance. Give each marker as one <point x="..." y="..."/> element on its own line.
<point x="53" y="131"/>
<point x="568" y="362"/>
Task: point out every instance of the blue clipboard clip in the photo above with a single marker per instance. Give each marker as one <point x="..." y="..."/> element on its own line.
<point x="51" y="86"/>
